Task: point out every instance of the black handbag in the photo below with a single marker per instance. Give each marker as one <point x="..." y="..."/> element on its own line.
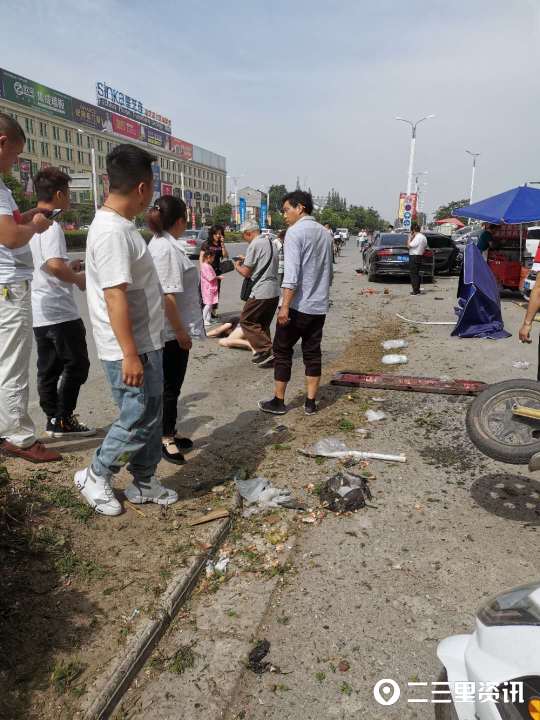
<point x="226" y="266"/>
<point x="250" y="282"/>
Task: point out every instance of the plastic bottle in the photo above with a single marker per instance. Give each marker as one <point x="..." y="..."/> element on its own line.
<point x="395" y="360"/>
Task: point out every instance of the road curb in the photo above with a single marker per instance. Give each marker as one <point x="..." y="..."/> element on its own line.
<point x="146" y="638"/>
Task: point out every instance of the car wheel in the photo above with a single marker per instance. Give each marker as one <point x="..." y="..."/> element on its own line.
<point x="445" y="711"/>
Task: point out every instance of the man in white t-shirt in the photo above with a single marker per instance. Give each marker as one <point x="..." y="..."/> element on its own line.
<point x="417" y="244"/>
<point x="126" y="310"/>
<point x="16" y="230"/>
<point x="62" y="355"/>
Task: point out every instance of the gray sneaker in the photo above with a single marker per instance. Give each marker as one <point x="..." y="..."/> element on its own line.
<point x="140" y="492"/>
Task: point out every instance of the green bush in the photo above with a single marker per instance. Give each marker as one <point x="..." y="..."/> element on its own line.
<point x="75" y="239"/>
<point x="233" y="237"/>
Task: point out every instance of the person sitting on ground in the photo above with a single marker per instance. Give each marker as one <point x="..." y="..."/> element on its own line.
<point x="62" y="354"/>
<point x="231" y="335"/>
<point x="183" y="317"/>
<point x="209" y="286"/>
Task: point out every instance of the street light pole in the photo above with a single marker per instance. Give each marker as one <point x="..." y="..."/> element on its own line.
<point x="474" y="156"/>
<point x="412" y="150"/>
<point x="93" y="167"/>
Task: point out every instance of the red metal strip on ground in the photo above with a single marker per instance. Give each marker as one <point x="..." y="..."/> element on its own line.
<point x="386" y="381"/>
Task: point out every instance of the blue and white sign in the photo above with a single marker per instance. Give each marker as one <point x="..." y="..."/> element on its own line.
<point x="264" y="212"/>
<point x="242" y="205"/>
<point x="407" y="214"/>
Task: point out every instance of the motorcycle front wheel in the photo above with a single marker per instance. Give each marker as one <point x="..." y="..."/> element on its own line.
<point x="496" y="431"/>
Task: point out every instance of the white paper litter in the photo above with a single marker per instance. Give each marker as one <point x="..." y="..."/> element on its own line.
<point x="375" y="415"/>
<point x="395" y="360"/>
<point x="394" y="344"/>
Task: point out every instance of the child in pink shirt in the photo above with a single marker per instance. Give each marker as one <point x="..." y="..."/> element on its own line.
<point x="209" y="287"/>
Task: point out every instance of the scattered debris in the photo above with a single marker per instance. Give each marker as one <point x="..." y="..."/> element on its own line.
<point x="343" y="666"/>
<point x="394" y="344"/>
<point x="314" y="518"/>
<point x="256" y="657"/>
<point x="259" y="490"/>
<point x="182" y="660"/>
<point x="218" y="568"/>
<point x="335" y="448"/>
<point x="388" y="381"/>
<point x="378" y="399"/>
<point x="375" y="415"/>
<point x="425" y="322"/>
<point x="216" y="514"/>
<point x="394" y="360"/>
<point x="362" y="433"/>
<point x="521" y="364"/>
<point x="345" y="492"/>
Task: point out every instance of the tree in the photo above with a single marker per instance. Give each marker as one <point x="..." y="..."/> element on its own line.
<point x="276" y="193"/>
<point x="446" y="210"/>
<point x="222" y="214"/>
<point x="277" y="221"/>
<point x="24" y="202"/>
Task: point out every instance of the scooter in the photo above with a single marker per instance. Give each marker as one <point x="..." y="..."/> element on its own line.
<point x="504" y="422"/>
<point x="494" y="673"/>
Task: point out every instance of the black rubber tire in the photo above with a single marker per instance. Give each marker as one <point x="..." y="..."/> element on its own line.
<point x="484" y="437"/>
<point x="371" y="276"/>
<point x="444" y="711"/>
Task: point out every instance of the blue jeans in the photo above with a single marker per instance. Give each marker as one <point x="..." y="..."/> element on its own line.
<point x="134" y="439"/>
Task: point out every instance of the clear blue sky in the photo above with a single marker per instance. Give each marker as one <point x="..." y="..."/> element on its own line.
<point x="310" y="88"/>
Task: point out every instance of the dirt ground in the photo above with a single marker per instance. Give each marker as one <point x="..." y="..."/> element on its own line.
<point x="375" y="590"/>
<point x="346" y="600"/>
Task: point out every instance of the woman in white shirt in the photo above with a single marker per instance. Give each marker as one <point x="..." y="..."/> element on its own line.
<point x="183" y="315"/>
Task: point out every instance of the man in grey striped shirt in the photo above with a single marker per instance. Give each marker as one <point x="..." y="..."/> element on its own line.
<point x="306" y="297"/>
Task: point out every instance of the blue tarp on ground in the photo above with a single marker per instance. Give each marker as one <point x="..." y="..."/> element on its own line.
<point x="479" y="304"/>
<point x="519" y="205"/>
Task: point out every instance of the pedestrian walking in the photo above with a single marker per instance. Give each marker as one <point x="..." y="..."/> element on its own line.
<point x="260" y="291"/>
<point x="62" y="354"/>
<point x="209" y="286"/>
<point x="216" y="244"/>
<point x="417" y="244"/>
<point x="305" y="301"/>
<point x="16" y="230"/>
<point x="183" y="317"/>
<point x="126" y="311"/>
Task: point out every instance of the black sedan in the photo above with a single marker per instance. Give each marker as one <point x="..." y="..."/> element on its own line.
<point x="388" y="254"/>
<point x="445" y="251"/>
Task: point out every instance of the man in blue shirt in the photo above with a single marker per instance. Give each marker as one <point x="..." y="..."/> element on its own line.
<point x="305" y="302"/>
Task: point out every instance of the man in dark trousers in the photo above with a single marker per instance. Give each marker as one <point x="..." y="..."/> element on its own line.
<point x="417" y="244"/>
<point x="260" y="267"/>
<point x="305" y="302"/>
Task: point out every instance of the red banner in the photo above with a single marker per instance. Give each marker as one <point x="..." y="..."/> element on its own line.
<point x="183" y="149"/>
<point x="125" y="126"/>
<point x="166" y="189"/>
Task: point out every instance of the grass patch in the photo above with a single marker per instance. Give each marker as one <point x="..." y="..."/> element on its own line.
<point x="64" y="674"/>
<point x="320" y="676"/>
<point x="345" y="688"/>
<point x="63" y="497"/>
<point x="346" y="425"/>
<point x="281" y="446"/>
<point x="182" y="660"/>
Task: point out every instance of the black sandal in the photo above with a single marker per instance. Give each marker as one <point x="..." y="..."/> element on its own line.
<point x="183" y="443"/>
<point x="175" y="458"/>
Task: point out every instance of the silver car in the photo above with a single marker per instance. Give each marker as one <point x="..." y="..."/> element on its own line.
<point x="191" y="242"/>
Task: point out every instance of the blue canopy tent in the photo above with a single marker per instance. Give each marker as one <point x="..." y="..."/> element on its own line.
<point x="479" y="306"/>
<point x="513" y="207"/>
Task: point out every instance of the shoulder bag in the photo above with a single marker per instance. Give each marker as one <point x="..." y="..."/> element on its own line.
<point x="250" y="282"/>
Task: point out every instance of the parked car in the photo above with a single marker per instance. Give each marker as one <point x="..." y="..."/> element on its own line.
<point x="444" y="250"/>
<point x="533" y="239"/>
<point x="388" y="254"/>
<point x="191" y="242"/>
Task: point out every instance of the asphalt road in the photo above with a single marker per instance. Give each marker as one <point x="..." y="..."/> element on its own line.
<point x="230" y="301"/>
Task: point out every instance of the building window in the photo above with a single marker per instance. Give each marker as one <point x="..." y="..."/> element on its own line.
<point x="100" y="162"/>
<point x="45" y="149"/>
<point x="109" y="147"/>
<point x="31" y="145"/>
<point x="43" y="129"/>
<point x="56" y="133"/>
<point x="79" y="139"/>
<point x="57" y="153"/>
<point x="100" y="145"/>
<point x="80" y="158"/>
<point x="88" y="142"/>
<point x="69" y="154"/>
<point x="29" y="125"/>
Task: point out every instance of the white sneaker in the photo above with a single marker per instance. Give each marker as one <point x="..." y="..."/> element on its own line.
<point x="97" y="492"/>
<point x="151" y="491"/>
